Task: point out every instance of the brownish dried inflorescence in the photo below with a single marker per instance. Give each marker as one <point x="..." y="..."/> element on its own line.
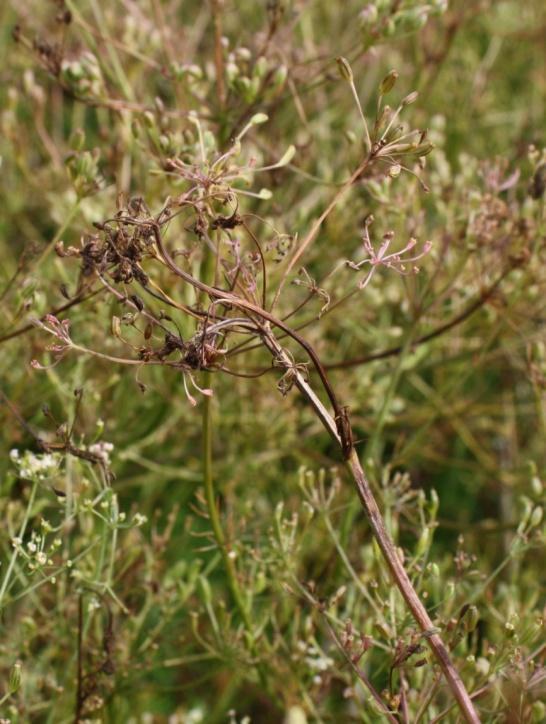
<point x="117" y="250"/>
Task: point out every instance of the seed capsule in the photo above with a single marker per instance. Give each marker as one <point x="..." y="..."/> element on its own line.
<point x="388" y="82"/>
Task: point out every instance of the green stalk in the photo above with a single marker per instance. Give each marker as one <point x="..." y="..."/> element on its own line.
<point x="22" y="530"/>
<point x="64" y="226"/>
<point x="372" y="449"/>
<point x="219" y="537"/>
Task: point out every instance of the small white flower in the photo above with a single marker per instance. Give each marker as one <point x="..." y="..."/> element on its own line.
<point x="35" y="466"/>
<point x="320" y="663"/>
<point x="102" y="450"/>
<point x="195" y="715"/>
<point x="93" y="604"/>
<point x="46" y="525"/>
<point x="41" y="558"/>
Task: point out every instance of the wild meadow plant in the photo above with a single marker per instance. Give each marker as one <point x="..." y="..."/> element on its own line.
<point x="218" y="207"/>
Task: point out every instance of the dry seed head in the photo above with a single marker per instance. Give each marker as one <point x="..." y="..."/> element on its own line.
<point x="471" y="619"/>
<point x="344" y="69"/>
<point x="409" y="99"/>
<point x="388" y="82"/>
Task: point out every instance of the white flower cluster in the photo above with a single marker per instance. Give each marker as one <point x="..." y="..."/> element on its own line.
<point x="35" y="466"/>
<point x="139" y="519"/>
<point x="317" y="661"/>
<point x="102" y="450"/>
<point x="37" y="551"/>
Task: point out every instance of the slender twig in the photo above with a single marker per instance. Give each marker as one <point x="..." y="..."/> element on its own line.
<point x="218" y="51"/>
<point x="22" y="530"/>
<point x="313" y="231"/>
<point x="405" y="587"/>
<point x="55" y="312"/>
<point x="79" y="674"/>
<point x="467" y="312"/>
<point x="360" y="674"/>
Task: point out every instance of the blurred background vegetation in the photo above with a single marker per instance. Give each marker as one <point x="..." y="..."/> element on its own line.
<point x="115" y="598"/>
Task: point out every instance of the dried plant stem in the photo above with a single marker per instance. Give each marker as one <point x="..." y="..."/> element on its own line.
<point x="405" y="587"/>
<point x="390" y="554"/>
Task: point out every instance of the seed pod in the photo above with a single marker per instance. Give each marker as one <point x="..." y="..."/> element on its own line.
<point x="471" y="619"/>
<point x="260" y="68"/>
<point x="14" y="678"/>
<point x="258" y="118"/>
<point x="424" y="149"/>
<point x="409" y="99"/>
<point x="434" y="503"/>
<point x="287" y="157"/>
<point x="149" y="119"/>
<point x="279" y="77"/>
<point x="116" y="326"/>
<point x="344" y="69"/>
<point x="538" y="712"/>
<point x="536" y="485"/>
<point x="232" y="72"/>
<point x="388" y="82"/>
<point x="536" y="517"/>
<point x="423" y="543"/>
<point x="77" y="140"/>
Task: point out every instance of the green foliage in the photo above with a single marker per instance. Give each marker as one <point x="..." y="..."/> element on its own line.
<point x="184" y="544"/>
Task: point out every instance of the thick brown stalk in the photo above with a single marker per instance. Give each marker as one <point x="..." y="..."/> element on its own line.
<point x="387" y="547"/>
<point x="408" y="592"/>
